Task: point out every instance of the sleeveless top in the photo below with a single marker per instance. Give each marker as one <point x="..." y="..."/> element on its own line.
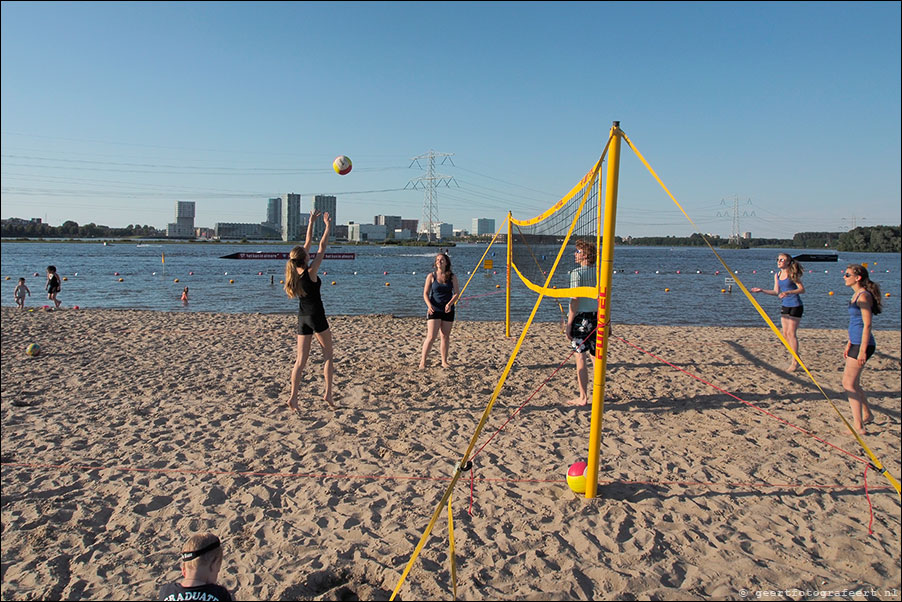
<point x="856" y="324"/>
<point x="311" y="303"/>
<point x="441" y="293"/>
<point x="53" y="284"/>
<point x="789" y="300"/>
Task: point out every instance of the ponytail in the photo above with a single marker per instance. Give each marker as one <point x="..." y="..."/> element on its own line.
<point x="877" y="303"/>
<point x="793" y="268"/>
<point x="869" y="285"/>
<point x="296" y="259"/>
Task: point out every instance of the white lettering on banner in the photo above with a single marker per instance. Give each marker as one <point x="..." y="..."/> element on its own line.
<point x="185" y="596"/>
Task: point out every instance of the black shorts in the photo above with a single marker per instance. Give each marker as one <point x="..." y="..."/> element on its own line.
<point x="311" y="324"/>
<point x="583" y="332"/>
<point x="854" y="350"/>
<point x="441" y="315"/>
<point x="792" y="312"/>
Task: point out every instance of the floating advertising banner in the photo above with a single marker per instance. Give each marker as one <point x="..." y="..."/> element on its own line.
<point x="284" y="256"/>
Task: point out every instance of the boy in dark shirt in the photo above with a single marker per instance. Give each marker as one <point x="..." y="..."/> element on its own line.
<point x="201" y="560"/>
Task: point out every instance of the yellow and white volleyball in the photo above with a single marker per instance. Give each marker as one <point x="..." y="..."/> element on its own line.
<point x="33" y="350"/>
<point x="341" y="165"/>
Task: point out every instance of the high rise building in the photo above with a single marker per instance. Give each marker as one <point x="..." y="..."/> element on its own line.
<point x="291" y="218"/>
<point x="411" y="225"/>
<point x="482" y="226"/>
<point x="440" y="231"/>
<point x="184" y="221"/>
<point x="274" y="213"/>
<point x="391" y="223"/>
<point x="323" y="203"/>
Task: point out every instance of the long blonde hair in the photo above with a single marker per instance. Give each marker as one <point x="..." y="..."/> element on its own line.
<point x="869" y="285"/>
<point x="793" y="268"/>
<point x="296" y="259"/>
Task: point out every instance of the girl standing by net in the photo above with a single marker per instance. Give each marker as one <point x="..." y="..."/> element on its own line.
<point x="788" y="286"/>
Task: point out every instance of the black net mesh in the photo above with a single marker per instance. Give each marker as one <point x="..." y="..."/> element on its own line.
<point x="537" y="242"/>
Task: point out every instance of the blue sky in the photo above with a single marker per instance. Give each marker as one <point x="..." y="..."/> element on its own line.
<point x="111" y="112"/>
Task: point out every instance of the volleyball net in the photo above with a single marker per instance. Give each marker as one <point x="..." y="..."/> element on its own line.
<point x="537" y="245"/>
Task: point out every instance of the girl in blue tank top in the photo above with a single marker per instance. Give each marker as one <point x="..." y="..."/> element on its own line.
<point x="865" y="304"/>
<point x="788" y="286"/>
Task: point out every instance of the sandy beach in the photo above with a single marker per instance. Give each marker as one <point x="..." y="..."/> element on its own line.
<point x="134" y="429"/>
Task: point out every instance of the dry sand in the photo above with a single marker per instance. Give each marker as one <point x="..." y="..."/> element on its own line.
<point x="134" y="429"/>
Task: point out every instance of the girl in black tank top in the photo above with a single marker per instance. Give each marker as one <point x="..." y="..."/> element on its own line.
<point x="440" y="293"/>
<point x="302" y="282"/>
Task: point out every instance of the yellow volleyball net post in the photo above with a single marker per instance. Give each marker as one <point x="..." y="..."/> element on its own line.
<point x="507" y="302"/>
<point x="604" y="269"/>
<point x="529" y="251"/>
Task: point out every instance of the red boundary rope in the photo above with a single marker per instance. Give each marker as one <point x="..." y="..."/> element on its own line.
<point x="749" y="404"/>
<point x="297" y="475"/>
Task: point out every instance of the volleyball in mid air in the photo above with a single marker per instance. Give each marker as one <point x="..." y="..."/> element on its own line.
<point x="341" y="165"/>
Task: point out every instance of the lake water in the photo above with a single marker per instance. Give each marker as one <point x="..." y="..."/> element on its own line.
<point x="641" y="276"/>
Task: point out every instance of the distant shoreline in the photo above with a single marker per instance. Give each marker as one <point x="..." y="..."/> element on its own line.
<point x="163" y="241"/>
<point x="275" y="243"/>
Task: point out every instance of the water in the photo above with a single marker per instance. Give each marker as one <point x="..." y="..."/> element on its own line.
<point x="694" y="298"/>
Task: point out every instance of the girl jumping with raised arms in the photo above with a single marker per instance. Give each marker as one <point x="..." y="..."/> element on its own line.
<point x="303" y="284"/>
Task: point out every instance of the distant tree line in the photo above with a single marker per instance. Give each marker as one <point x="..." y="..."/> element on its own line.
<point x="877" y="239"/>
<point x="70" y="229"/>
<point x="815" y="240"/>
<point x="696" y="240"/>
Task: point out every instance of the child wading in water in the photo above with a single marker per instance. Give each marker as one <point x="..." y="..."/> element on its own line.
<point x="53" y="285"/>
<point x="19" y="293"/>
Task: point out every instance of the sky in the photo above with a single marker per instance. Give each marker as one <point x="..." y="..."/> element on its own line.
<point x="784" y="114"/>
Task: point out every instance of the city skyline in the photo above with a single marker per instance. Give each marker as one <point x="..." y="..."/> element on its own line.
<point x="185" y="226"/>
<point x="726" y="100"/>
